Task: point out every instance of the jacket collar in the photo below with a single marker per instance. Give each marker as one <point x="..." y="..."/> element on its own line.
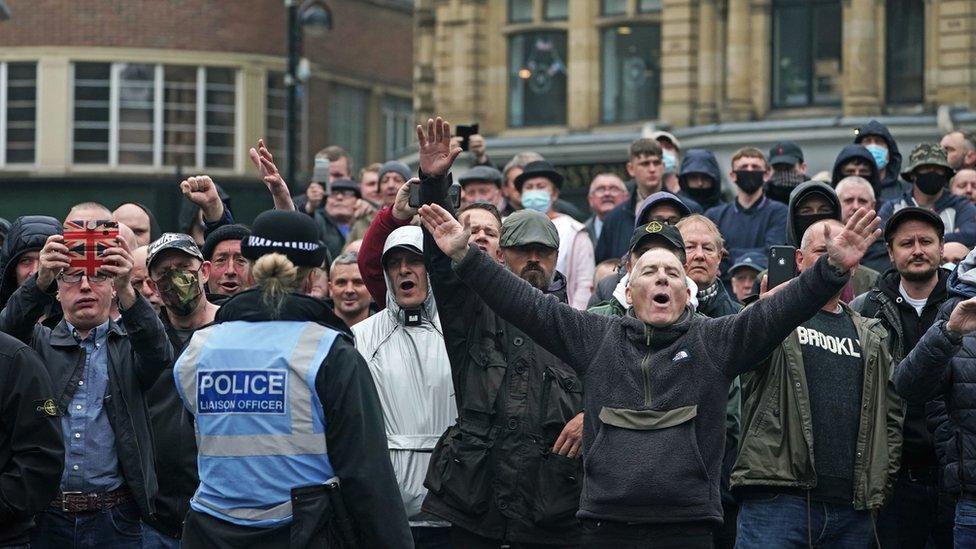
<point x="657" y="338"/>
<point x="248" y="306"/>
<point x="890" y="281"/>
<point x="62" y="336"/>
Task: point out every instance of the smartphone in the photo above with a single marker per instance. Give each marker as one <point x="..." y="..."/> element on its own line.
<point x="320" y="172"/>
<point x="453" y="195"/>
<point x="782" y="265"/>
<point x="414" y="200"/>
<point x="87" y="242"/>
<point x="465" y="133"/>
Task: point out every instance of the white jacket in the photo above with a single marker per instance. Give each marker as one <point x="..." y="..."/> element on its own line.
<point x="575" y="259"/>
<point x="412" y="374"/>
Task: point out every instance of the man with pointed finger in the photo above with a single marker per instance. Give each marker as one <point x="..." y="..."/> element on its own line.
<point x="656" y="381"/>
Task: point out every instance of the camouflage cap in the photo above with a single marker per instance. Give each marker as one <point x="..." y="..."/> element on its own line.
<point x="926" y="154"/>
<point x="526" y="227"/>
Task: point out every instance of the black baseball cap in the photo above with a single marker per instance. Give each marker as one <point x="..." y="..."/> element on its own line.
<point x="667" y="235"/>
<point x="912" y="213"/>
<point x="785" y="152"/>
<point x="172" y="241"/>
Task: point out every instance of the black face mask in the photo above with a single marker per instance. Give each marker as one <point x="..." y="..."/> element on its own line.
<point x="749" y="181"/>
<point x="930" y="183"/>
<point x="782" y="184"/>
<point x="700" y="196"/>
<point x="804" y="222"/>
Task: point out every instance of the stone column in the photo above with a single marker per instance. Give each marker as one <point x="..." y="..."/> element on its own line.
<point x="708" y="85"/>
<point x="760" y="58"/>
<point x="583" y="66"/>
<point x="955" y="51"/>
<point x="679" y="61"/>
<point x="738" y="87"/>
<point x="861" y="89"/>
<point x="54" y="139"/>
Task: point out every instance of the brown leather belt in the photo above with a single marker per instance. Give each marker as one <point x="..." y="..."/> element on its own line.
<point x="78" y="502"/>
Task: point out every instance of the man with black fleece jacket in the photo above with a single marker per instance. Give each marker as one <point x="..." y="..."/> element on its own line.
<point x="656" y="380"/>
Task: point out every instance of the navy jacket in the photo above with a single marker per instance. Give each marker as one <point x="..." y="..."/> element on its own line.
<point x="849" y="153"/>
<point x="752" y="229"/>
<point x="957" y="212"/>
<point x="618" y="227"/>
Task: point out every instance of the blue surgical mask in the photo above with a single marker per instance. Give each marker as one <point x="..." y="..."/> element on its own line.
<point x="537" y="200"/>
<point x="670" y="161"/>
<point x="879" y="153"/>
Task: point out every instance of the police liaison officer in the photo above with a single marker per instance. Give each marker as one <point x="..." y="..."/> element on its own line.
<point x="292" y="447"/>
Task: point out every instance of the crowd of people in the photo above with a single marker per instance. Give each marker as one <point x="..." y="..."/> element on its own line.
<point x="398" y="358"/>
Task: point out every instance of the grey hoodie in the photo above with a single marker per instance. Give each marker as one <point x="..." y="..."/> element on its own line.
<point x="654" y="427"/>
<point x="793" y="236"/>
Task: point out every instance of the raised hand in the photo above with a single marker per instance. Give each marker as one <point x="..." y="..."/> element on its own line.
<point x="451" y="237"/>
<point x="201" y="191"/>
<point x="315" y="194"/>
<point x="118" y="264"/>
<point x="401" y="204"/>
<point x="845" y="250"/>
<point x="264" y="162"/>
<point x="437" y="153"/>
<point x="963" y="317"/>
<point x="52" y="260"/>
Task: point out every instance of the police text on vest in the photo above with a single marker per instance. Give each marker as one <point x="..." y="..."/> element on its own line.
<point x="241" y="391"/>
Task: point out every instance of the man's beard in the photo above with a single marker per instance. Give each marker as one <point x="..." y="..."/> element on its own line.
<point x="534" y="275"/>
<point x="920" y="276"/>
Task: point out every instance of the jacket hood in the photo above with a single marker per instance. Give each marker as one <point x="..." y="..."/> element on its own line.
<point x="27" y="234"/>
<point x="962" y="281"/>
<point x="850" y="152"/>
<point x="798" y="194"/>
<point x="410" y="237"/>
<point x="701" y="161"/>
<point x="249" y="306"/>
<point x="893" y="169"/>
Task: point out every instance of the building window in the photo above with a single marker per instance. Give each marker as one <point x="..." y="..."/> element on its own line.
<point x="631" y="73"/>
<point x="133" y="114"/>
<point x="904" y="51"/>
<point x="806" y="52"/>
<point x="276" y="114"/>
<point x="347" y="116"/>
<point x="556" y="10"/>
<point x="398" y="123"/>
<point x="648" y="6"/>
<point x="519" y="11"/>
<point x="18" y="112"/>
<point x="537" y="79"/>
<point x="613" y="7"/>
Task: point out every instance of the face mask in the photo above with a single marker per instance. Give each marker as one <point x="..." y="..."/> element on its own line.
<point x="880" y="155"/>
<point x="930" y="183"/>
<point x="537" y="200"/>
<point x="749" y="181"/>
<point x="804" y="222"/>
<point x="670" y="161"/>
<point x="180" y="291"/>
<point x="700" y="196"/>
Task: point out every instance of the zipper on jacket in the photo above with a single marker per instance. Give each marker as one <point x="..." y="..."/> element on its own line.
<point x="646" y="371"/>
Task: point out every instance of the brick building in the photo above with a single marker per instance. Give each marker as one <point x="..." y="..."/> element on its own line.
<point x="577" y="80"/>
<point x="132" y="96"/>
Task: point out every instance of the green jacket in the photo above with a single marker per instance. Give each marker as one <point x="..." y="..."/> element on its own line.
<point x="777" y="441"/>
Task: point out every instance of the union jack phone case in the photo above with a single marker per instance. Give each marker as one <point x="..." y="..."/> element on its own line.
<point x="87" y="242"/>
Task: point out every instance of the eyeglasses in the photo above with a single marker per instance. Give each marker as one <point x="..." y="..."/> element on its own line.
<point x="673" y="220"/>
<point x="74" y="278"/>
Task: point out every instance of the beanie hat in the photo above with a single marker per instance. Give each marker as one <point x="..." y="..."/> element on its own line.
<point x="396" y="167"/>
<point x="220" y="234"/>
<point x="289" y="233"/>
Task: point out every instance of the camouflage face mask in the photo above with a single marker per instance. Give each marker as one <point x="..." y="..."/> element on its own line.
<point x="180" y="291"/>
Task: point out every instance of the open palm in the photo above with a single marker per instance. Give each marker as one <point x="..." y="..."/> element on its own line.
<point x="845" y="249"/>
<point x="451" y="237"/>
<point x="963" y="317"/>
<point x="436" y="153"/>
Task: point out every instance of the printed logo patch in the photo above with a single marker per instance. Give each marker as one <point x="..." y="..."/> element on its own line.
<point x="682" y="355"/>
<point x="46" y="408"/>
<point x="241" y="391"/>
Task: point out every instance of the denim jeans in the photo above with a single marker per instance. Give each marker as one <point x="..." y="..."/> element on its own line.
<point x="118" y="527"/>
<point x="964" y="533"/>
<point x="785" y="521"/>
<point x="154" y="539"/>
<point x="916" y="515"/>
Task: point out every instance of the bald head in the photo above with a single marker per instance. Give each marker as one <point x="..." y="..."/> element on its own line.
<point x="88" y="211"/>
<point x="814" y="235"/>
<point x="137" y="219"/>
<point x="127" y="236"/>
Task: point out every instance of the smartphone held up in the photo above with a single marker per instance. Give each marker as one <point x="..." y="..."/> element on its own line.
<point x="87" y="242"/>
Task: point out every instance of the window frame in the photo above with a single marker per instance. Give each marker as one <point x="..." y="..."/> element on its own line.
<point x="158" y="122"/>
<point x="810" y="6"/>
<point x="888" y="81"/>
<point x="4" y="74"/>
<point x="395" y="119"/>
<point x="554" y="28"/>
<point x="640" y="22"/>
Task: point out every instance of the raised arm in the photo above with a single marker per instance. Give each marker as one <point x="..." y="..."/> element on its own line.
<point x="571" y="335"/>
<point x="26" y="306"/>
<point x="755" y="332"/>
<point x="264" y="162"/>
<point x="924" y="373"/>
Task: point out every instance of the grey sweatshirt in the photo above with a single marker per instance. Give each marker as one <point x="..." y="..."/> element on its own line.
<point x="654" y="428"/>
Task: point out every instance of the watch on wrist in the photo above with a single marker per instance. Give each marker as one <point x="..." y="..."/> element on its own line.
<point x="954" y="337"/>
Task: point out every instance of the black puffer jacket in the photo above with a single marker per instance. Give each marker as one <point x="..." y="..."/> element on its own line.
<point x="944" y="372"/>
<point x="27" y="234"/>
<point x="492" y="473"/>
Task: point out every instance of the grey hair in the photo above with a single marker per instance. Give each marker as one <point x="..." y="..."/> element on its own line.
<point x="853" y="180"/>
<point x="348" y="258"/>
<point x="520" y="160"/>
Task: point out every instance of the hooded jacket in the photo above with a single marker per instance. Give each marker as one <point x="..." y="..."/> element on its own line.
<point x="793" y="236"/>
<point x="618" y="226"/>
<point x="850" y="152"/>
<point x="27" y="234"/>
<point x="406" y="356"/>
<point x="701" y="161"/>
<point x="891" y="186"/>
<point x="941" y="370"/>
<point x="957" y="213"/>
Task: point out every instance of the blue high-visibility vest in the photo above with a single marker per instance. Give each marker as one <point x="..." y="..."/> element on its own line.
<point x="260" y="426"/>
